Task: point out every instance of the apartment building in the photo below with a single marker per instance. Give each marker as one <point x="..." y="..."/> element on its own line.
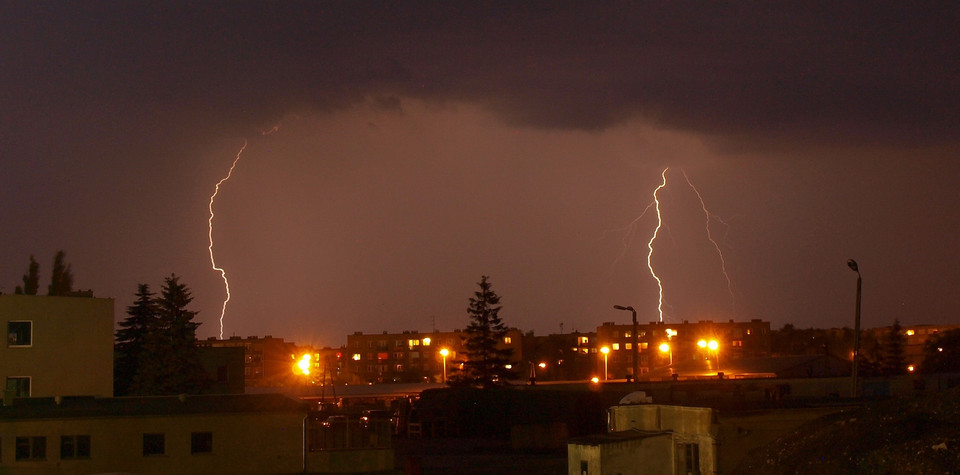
<point x="56" y="346"/>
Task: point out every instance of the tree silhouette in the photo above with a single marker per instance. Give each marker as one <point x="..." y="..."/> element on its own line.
<point x="31" y="280"/>
<point x="131" y="339"/>
<point x="486" y="361"/>
<point x="61" y="283"/>
<point x="893" y="361"/>
<point x="169" y="362"/>
<point x="941" y="354"/>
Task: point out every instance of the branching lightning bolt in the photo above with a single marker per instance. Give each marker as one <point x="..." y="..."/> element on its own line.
<point x="213" y="263"/>
<point x="709" y="216"/>
<point x="656" y="201"/>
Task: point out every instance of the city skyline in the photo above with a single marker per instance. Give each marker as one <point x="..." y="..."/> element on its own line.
<point x="415" y="148"/>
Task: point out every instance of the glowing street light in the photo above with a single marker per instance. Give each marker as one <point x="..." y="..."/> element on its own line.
<point x="665" y="348"/>
<point x="304" y="364"/>
<point x="606" y="351"/>
<point x="443" y="353"/>
<point x="636" y="349"/>
<point x="713" y="346"/>
<point x="856" y="328"/>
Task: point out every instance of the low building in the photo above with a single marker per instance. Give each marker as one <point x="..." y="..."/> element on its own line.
<point x="265" y="433"/>
<point x="649" y="439"/>
<point x="56" y="346"/>
<point x="270" y="362"/>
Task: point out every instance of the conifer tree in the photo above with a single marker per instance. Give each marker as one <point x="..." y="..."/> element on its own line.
<point x="131" y="339"/>
<point x="893" y="361"/>
<point x="486" y="360"/>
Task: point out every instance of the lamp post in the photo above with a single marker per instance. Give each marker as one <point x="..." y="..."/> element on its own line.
<point x="443" y="353"/>
<point x="635" y="349"/>
<point x="856" y="330"/>
<point x="715" y="347"/>
<point x="606" y="351"/>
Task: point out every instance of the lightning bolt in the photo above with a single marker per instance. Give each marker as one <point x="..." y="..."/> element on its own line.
<point x="709" y="216"/>
<point x="213" y="263"/>
<point x="656" y="200"/>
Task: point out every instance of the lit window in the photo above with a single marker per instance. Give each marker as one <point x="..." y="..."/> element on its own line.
<point x="412" y="343"/>
<point x="627" y="334"/>
<point x="749" y="331"/>
<point x="31" y="448"/>
<point x="584" y="340"/>
<point x="628" y="346"/>
<point x="18" y="386"/>
<point x="356" y="357"/>
<point x="737" y="342"/>
<point x="201" y="442"/>
<point x="426" y="341"/>
<point x="615" y="346"/>
<point x="75" y="447"/>
<point x="910" y="332"/>
<point x="507" y="340"/>
<point x="20" y="333"/>
<point x="154" y="444"/>
<point x="644" y="345"/>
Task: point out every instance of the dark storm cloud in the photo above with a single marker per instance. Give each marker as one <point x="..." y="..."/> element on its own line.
<point x="849" y="72"/>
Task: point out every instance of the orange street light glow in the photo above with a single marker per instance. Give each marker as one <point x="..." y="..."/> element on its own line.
<point x="304" y="364"/>
<point x="664" y="347"/>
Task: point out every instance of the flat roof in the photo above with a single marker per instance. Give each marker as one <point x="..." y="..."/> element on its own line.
<point x="71" y="407"/>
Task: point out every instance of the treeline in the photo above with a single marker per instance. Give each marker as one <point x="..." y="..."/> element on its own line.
<point x="155" y="351"/>
<point x="61" y="281"/>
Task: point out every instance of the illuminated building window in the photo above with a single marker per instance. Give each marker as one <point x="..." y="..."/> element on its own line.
<point x="910" y="332"/>
<point x="399" y="368"/>
<point x="382" y="356"/>
<point x="584" y="350"/>
<point x="356" y="357"/>
<point x="31" y="448"/>
<point x="507" y="340"/>
<point x="749" y="331"/>
<point x="644" y="345"/>
<point x="201" y="442"/>
<point x="627" y="334"/>
<point x="615" y="346"/>
<point x="154" y="444"/>
<point x="19" y="333"/>
<point x="584" y="340"/>
<point x="737" y="343"/>
<point x="426" y="341"/>
<point x="628" y="346"/>
<point x="75" y="447"/>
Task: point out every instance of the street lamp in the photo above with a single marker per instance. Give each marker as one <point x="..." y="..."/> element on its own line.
<point x="606" y="351"/>
<point x="635" y="349"/>
<point x="443" y="353"/>
<point x="856" y="328"/>
<point x="665" y="348"/>
<point x="713" y="346"/>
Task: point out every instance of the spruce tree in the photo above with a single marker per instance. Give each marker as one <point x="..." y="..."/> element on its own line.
<point x="170" y="361"/>
<point x="486" y="361"/>
<point x="132" y="337"/>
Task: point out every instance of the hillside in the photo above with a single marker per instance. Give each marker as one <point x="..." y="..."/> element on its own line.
<point x="916" y="435"/>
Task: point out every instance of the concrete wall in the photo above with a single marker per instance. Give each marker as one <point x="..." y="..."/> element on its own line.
<point x="242" y="443"/>
<point x="350" y="461"/>
<point x="71" y="353"/>
<point x="654" y="417"/>
<point x="636" y="456"/>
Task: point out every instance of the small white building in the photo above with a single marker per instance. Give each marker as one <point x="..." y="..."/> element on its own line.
<point x="648" y="439"/>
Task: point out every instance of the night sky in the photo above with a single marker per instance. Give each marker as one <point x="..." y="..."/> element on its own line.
<point x="418" y="147"/>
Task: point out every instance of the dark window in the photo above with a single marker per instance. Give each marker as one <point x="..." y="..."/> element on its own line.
<point x="691" y="459"/>
<point x="221" y="374"/>
<point x="75" y="446"/>
<point x="31" y="448"/>
<point x="154" y="444"/>
<point x="201" y="442"/>
<point x="19" y="333"/>
<point x="18" y="386"/>
<point x="584" y="467"/>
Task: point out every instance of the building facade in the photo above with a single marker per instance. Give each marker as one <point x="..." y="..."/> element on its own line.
<point x="56" y="346"/>
<point x="412" y="356"/>
<point x="683" y="341"/>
